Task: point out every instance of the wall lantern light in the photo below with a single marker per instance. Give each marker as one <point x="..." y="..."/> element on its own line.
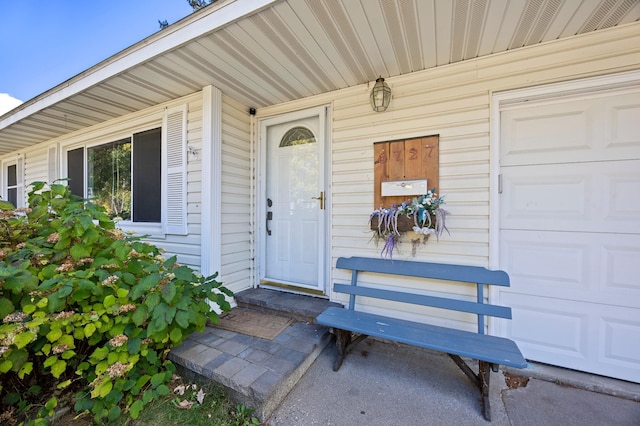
<point x="380" y="95"/>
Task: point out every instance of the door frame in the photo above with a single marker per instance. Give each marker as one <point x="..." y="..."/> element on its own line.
<point x="545" y="92"/>
<point x="323" y="114"/>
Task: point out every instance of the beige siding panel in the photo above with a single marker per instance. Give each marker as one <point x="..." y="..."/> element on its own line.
<point x="236" y="241"/>
<point x="36" y="167"/>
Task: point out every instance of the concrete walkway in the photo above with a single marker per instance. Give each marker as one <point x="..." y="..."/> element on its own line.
<point x="387" y="384"/>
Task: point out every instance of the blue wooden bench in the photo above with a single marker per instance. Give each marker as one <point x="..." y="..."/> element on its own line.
<point x="351" y="326"/>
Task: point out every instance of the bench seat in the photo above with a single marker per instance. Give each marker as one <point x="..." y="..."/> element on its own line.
<point x="492" y="349"/>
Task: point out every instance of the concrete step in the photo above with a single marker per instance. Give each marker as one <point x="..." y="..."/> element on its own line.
<point x="296" y="306"/>
<point x="256" y="372"/>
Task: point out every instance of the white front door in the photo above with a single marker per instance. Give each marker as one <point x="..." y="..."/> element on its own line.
<point x="295" y="201"/>
<point x="570" y="230"/>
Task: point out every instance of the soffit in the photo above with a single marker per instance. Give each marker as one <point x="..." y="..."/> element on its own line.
<point x="292" y="49"/>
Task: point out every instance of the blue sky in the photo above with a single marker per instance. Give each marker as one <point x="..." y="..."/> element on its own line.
<point x="45" y="42"/>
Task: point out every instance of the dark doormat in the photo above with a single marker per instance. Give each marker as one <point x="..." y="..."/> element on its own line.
<point x="253" y="323"/>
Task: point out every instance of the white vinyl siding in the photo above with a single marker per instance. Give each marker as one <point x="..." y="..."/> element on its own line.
<point x="236" y="196"/>
<point x="52" y="163"/>
<point x="35" y="167"/>
<point x="454" y="102"/>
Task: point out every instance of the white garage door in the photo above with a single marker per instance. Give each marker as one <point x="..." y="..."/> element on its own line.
<point x="570" y="230"/>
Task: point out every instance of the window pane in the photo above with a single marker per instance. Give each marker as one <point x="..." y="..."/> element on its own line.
<point x="109" y="177"/>
<point x="297" y="136"/>
<point x="147" y="176"/>
<point x="12" y="196"/>
<point x="75" y="172"/>
<point x="12" y="176"/>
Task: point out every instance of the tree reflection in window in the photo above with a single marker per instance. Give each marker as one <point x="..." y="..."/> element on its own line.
<point x="109" y="177"/>
<point x="297" y="136"/>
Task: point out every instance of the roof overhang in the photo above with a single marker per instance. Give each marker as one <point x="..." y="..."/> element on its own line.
<point x="265" y="52"/>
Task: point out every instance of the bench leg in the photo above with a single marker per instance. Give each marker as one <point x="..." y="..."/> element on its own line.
<point x="481" y="380"/>
<point x="484" y="376"/>
<point x="343" y="340"/>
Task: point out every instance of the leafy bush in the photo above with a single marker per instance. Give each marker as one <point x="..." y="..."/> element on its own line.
<point x="86" y="309"/>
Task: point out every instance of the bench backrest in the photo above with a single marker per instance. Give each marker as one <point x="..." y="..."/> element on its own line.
<point x="440" y="271"/>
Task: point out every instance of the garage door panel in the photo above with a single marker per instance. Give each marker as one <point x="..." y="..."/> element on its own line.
<point x="620" y="272"/>
<point x="544" y="260"/>
<point x="602" y="128"/>
<point x="587" y="267"/>
<point x="621" y="342"/>
<point x="542" y="324"/>
<point x="577" y="335"/>
<point x="547" y="132"/>
<point x="622" y="117"/>
<point x="579" y="197"/>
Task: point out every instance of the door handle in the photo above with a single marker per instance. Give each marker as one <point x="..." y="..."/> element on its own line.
<point x="269" y="215"/>
<point x="321" y="199"/>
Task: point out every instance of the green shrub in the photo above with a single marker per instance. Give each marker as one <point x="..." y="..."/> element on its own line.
<point x="88" y="311"/>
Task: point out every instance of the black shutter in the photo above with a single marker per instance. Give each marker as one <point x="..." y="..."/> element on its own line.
<point x="75" y="171"/>
<point x="147" y="176"/>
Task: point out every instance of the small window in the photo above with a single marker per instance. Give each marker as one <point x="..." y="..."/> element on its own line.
<point x="297" y="136"/>
<point x="12" y="184"/>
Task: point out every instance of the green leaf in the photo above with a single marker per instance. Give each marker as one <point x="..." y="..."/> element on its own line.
<point x="6" y="307"/>
<point x="50" y="361"/>
<point x="169" y="292"/>
<point x="54" y="335"/>
<point x="122" y="252"/>
<point x="184" y="273"/>
<point x="144" y="285"/>
<point x="170" y="314"/>
<point x="163" y="390"/>
<point x="175" y="335"/>
<point x="100" y="353"/>
<point x="58" y="368"/>
<point x="157" y="379"/>
<point x="6" y="205"/>
<point x="182" y="318"/>
<point x="133" y="345"/>
<point x="114" y="413"/>
<point x="65" y="290"/>
<point x="80" y="251"/>
<point x="23" y="339"/>
<point x="29" y="309"/>
<point x="122" y="292"/>
<point x="102" y="389"/>
<point x="89" y="329"/>
<point x="140" y="315"/>
<point x="26" y="368"/>
<point x="64" y="384"/>
<point x="152" y="301"/>
<point x="5" y="366"/>
<point x="83" y="404"/>
<point x="51" y="404"/>
<point x="135" y="409"/>
<point x="109" y="301"/>
<point x="18" y="358"/>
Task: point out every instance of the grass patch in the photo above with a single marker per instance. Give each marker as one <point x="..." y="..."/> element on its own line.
<point x="187" y="404"/>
